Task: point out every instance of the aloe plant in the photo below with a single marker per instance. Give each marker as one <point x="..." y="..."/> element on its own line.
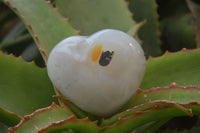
<point x="168" y="99"/>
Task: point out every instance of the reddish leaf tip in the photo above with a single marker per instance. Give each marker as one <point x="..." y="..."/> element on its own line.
<point x="139" y="90"/>
<point x="79" y="32"/>
<point x="150" y="57"/>
<point x="166" y="52"/>
<point x="49" y="3"/>
<point x="11" y="112"/>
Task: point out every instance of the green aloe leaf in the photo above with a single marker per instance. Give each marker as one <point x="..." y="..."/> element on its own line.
<point x="149" y="33"/>
<point x="90" y="16"/>
<point x="72" y="125"/>
<point x="195" y="9"/>
<point x="24" y="87"/>
<point x="129" y="124"/>
<point x="186" y="99"/>
<point x="9" y="119"/>
<point x="46" y="24"/>
<point x="143" y="108"/>
<point x="41" y="119"/>
<point x="175" y="93"/>
<point x="174" y="29"/>
<point x="181" y="67"/>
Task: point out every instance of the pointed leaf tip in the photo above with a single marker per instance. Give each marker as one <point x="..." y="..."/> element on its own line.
<point x="9" y="118"/>
<point x="42" y="27"/>
<point x="96" y="15"/>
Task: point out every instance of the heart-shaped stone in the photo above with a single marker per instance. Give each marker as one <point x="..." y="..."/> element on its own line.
<point x="99" y="73"/>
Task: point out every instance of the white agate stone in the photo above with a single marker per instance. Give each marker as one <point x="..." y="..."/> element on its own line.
<point x="98" y="73"/>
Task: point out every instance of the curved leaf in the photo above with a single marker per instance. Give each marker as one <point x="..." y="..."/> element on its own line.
<point x="45" y="24"/>
<point x="181" y="67"/>
<point x="143" y="108"/>
<point x="90" y="16"/>
<point x="74" y="125"/>
<point x="129" y="124"/>
<point x="175" y="93"/>
<point x="9" y="119"/>
<point x="149" y="33"/>
<point x="24" y="87"/>
<point x="185" y="97"/>
<point x="41" y="119"/>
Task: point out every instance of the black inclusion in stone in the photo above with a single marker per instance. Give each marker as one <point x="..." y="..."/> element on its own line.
<point x="105" y="58"/>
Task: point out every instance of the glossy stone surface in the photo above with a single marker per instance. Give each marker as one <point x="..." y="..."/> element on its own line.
<point x="98" y="73"/>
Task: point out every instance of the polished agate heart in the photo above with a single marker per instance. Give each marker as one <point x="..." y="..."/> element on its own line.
<point x="98" y="73"/>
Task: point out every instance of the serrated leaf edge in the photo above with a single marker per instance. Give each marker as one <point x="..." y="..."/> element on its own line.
<point x="154" y="105"/>
<point x="72" y="118"/>
<point x="19" y="58"/>
<point x="64" y="18"/>
<point x="157" y="24"/>
<point x="132" y="116"/>
<point x="17" y="118"/>
<point x="39" y="111"/>
<point x="172" y="86"/>
<point x="31" y="29"/>
<point x="168" y="52"/>
<point x="121" y="120"/>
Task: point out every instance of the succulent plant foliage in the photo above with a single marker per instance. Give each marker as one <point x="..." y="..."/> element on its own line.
<point x="169" y="32"/>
